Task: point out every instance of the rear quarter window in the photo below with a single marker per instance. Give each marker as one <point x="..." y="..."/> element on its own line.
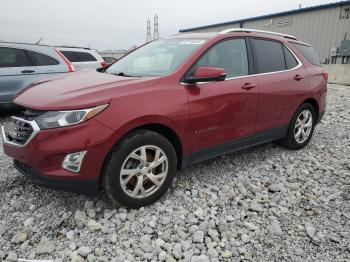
<point x="42" y="60"/>
<point x="74" y="56"/>
<point x="291" y="62"/>
<point x="309" y="53"/>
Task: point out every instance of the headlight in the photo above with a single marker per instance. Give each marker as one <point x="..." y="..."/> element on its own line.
<point x="54" y="119"/>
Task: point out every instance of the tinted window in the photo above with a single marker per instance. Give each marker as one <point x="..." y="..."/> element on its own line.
<point x="291" y="62"/>
<point x="11" y="57"/>
<point x="42" y="60"/>
<point x="269" y="56"/>
<point x="74" y="56"/>
<point x="69" y="55"/>
<point x="230" y="55"/>
<point x="309" y="53"/>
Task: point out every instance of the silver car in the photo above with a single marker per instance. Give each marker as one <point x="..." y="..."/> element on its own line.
<point x="24" y="64"/>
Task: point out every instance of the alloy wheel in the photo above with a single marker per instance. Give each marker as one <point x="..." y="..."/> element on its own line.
<point x="303" y="126"/>
<point x="144" y="171"/>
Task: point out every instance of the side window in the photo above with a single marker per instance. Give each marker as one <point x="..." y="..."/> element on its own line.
<point x="85" y="57"/>
<point x="291" y="62"/>
<point x="309" y="53"/>
<point x="12" y="57"/>
<point x="230" y="55"/>
<point x="74" y="56"/>
<point x="69" y="55"/>
<point x="42" y="60"/>
<point x="269" y="56"/>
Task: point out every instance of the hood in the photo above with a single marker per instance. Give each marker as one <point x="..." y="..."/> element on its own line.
<point x="79" y="90"/>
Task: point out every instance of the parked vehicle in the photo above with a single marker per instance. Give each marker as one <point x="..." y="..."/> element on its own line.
<point x="23" y="64"/>
<point x="109" y="60"/>
<point x="83" y="58"/>
<point x="169" y="104"/>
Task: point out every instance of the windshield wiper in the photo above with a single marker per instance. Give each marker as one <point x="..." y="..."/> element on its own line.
<point x="122" y="74"/>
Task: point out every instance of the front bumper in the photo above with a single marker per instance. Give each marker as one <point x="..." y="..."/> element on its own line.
<point x="41" y="158"/>
<point x="87" y="187"/>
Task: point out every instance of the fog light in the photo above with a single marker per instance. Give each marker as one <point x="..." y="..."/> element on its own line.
<point x="72" y="162"/>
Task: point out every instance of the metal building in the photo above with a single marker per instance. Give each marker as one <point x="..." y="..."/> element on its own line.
<point x="325" y="27"/>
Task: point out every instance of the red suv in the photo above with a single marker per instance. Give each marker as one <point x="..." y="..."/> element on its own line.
<point x="169" y="104"/>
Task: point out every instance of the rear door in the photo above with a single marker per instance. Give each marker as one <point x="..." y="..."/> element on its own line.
<point x="282" y="83"/>
<point x="317" y="80"/>
<point x="16" y="72"/>
<point x="45" y="64"/>
<point x="226" y="110"/>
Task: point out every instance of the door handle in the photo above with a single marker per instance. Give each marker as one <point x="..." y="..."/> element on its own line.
<point x="248" y="86"/>
<point x="297" y="77"/>
<point x="27" y="71"/>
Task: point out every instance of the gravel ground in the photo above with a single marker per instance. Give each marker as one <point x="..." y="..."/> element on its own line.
<point x="261" y="204"/>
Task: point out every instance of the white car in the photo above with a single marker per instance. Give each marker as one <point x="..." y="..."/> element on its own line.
<point x="82" y="58"/>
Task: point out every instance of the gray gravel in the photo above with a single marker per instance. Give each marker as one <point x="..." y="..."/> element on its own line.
<point x="261" y="204"/>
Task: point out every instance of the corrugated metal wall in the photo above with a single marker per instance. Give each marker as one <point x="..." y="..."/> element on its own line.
<point x="323" y="29"/>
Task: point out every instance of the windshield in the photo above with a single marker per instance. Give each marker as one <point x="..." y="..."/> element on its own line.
<point x="158" y="58"/>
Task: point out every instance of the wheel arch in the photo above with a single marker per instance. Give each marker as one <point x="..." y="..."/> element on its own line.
<point x="169" y="134"/>
<point x="314" y="103"/>
<point x="159" y="127"/>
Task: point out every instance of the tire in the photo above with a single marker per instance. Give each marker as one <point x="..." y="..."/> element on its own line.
<point x="150" y="181"/>
<point x="292" y="140"/>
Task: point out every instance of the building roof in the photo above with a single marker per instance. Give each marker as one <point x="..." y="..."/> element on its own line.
<point x="294" y="11"/>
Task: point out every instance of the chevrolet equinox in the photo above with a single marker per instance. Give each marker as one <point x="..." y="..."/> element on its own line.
<point x="168" y="104"/>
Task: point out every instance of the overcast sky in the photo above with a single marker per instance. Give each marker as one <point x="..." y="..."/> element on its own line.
<point x="117" y="24"/>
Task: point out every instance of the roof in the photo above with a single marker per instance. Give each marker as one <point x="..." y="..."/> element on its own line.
<point x="193" y="35"/>
<point x="20" y="43"/>
<point x="240" y="32"/>
<point x="35" y="44"/>
<point x="294" y="11"/>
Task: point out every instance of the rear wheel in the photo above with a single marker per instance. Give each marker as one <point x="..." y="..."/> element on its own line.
<point x="140" y="169"/>
<point x="301" y="128"/>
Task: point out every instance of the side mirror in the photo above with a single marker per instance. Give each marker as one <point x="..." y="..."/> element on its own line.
<point x="206" y="74"/>
<point x="102" y="69"/>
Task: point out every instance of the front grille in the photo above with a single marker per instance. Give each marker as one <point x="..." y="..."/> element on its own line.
<point x="22" y="128"/>
<point x="20" y="133"/>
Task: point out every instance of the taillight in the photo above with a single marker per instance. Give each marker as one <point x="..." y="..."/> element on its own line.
<point x="70" y="66"/>
<point x="104" y="64"/>
<point x="325" y="75"/>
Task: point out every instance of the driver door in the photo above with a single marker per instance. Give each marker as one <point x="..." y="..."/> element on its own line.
<point x="224" y="111"/>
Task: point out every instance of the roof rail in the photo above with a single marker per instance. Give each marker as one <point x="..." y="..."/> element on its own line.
<point x="67" y="46"/>
<point x="232" y="30"/>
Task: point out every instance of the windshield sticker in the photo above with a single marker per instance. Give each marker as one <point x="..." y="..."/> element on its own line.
<point x="192" y="42"/>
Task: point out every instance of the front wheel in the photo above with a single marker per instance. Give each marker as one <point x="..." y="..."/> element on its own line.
<point x="301" y="128"/>
<point x="140" y="169"/>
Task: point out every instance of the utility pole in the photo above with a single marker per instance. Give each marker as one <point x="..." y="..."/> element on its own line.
<point x="156" y="28"/>
<point x="149" y="37"/>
